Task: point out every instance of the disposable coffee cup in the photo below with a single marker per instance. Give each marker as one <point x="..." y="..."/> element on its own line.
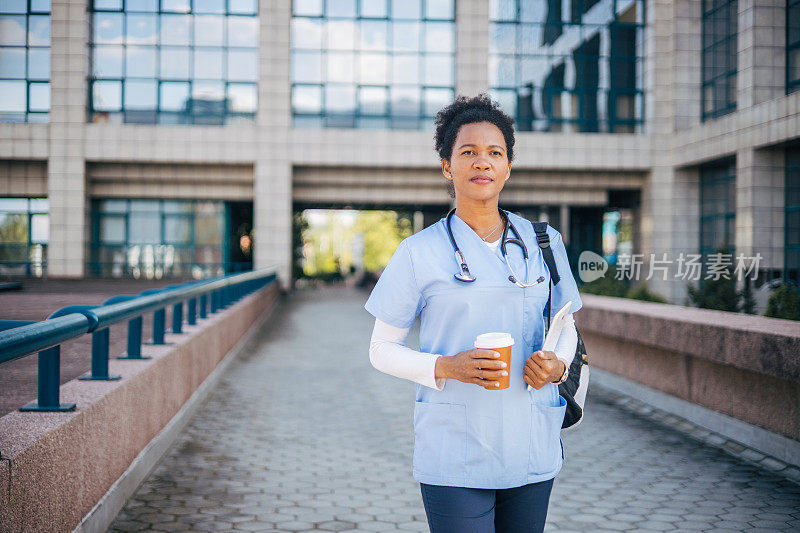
<point x="500" y="343"/>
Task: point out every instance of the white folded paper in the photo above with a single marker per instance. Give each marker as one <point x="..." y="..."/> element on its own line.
<point x="556" y="324"/>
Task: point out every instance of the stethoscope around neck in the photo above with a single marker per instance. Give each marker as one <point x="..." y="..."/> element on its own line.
<point x="465" y="275"/>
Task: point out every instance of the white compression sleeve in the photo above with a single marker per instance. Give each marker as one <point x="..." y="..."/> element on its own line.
<point x="389" y="354"/>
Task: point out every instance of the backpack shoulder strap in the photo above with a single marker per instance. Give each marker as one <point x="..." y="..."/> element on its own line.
<point x="544" y="243"/>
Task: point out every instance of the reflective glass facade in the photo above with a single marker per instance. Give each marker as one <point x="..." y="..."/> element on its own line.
<point x="24" y="60"/>
<point x="180" y="62"/>
<point x="720" y="23"/>
<point x="375" y="64"/>
<point x="792" y="45"/>
<point x="717" y="206"/>
<point x="568" y="66"/>
<point x="158" y="238"/>
<point x="24" y="234"/>
<point x="792" y="221"/>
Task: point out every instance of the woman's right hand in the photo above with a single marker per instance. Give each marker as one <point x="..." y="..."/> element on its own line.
<point x="476" y="366"/>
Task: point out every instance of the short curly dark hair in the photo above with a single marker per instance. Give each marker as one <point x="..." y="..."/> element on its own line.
<point x="465" y="110"/>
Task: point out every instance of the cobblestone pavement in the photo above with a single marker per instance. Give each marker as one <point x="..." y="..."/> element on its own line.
<point x="303" y="434"/>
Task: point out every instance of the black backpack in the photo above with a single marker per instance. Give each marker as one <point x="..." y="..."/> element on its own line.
<point x="568" y="389"/>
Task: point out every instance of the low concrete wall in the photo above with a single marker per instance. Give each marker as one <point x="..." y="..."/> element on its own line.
<point x="54" y="467"/>
<point x="744" y="366"/>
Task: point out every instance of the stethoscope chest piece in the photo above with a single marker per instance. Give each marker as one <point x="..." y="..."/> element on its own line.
<point x="464" y="275"/>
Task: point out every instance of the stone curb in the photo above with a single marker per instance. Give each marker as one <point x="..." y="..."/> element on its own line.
<point x="106" y="510"/>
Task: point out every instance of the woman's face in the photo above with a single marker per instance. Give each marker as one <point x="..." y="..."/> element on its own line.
<point x="479" y="164"/>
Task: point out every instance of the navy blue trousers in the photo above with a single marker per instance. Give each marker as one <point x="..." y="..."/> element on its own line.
<point x="462" y="510"/>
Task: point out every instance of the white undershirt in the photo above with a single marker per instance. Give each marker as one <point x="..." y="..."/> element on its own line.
<point x="389" y="354"/>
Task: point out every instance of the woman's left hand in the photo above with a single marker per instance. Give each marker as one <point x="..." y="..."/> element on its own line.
<point x="543" y="367"/>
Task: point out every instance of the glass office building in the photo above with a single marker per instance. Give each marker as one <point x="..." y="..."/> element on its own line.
<point x="173" y="62"/>
<point x="376" y="64"/>
<point x="720" y="20"/>
<point x="158" y="238"/>
<point x="24" y="233"/>
<point x="718" y="207"/>
<point x="579" y="69"/>
<point x="792" y="218"/>
<point x="24" y="60"/>
<point x="183" y="135"/>
<point x="792" y="45"/>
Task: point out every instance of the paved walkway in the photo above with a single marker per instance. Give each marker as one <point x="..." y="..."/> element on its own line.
<point x="303" y="434"/>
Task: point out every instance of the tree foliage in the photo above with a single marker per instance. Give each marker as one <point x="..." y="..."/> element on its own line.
<point x="383" y="231"/>
<point x="784" y="302"/>
<point x="326" y="251"/>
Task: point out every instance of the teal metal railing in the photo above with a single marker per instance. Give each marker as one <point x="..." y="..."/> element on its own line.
<point x="20" y="338"/>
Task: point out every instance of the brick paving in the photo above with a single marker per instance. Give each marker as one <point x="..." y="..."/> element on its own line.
<point x="41" y="298"/>
<point x="303" y="434"/>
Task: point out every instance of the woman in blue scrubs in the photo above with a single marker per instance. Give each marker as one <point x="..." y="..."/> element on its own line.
<point x="485" y="459"/>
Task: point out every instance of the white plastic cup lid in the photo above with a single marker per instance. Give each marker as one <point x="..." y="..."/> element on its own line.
<point x="487" y="341"/>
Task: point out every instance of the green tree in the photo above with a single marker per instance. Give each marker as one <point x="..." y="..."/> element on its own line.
<point x="608" y="285"/>
<point x="641" y="292"/>
<point x="784" y="302"/>
<point x="383" y="231"/>
<point x="299" y="227"/>
<point x="13" y="232"/>
<point x="748" y="299"/>
<point x="719" y="294"/>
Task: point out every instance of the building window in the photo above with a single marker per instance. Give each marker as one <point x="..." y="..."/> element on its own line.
<point x="717" y="207"/>
<point x="375" y="64"/>
<point x="180" y="62"/>
<point x="792" y="45"/>
<point x="568" y="70"/>
<point x="24" y="233"/>
<point x="720" y="22"/>
<point x="158" y="238"/>
<point x="792" y="221"/>
<point x="24" y="60"/>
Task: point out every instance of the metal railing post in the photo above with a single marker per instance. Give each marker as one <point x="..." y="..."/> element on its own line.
<point x="177" y="317"/>
<point x="203" y="305"/>
<point x="100" y="349"/>
<point x="159" y="325"/>
<point x="134" y="340"/>
<point x="49" y="383"/>
<point x="191" y="311"/>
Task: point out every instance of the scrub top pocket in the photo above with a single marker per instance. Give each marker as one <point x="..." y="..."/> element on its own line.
<point x="545" y="446"/>
<point x="440" y="439"/>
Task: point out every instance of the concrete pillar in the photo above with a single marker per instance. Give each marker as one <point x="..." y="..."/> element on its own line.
<point x="761" y="52"/>
<point x="66" y="177"/>
<point x="669" y="217"/>
<point x="472" y="51"/>
<point x="563" y="220"/>
<point x="272" y="185"/>
<point x="687" y="60"/>
<point x="419" y="221"/>
<point x="760" y="204"/>
<point x="660" y="42"/>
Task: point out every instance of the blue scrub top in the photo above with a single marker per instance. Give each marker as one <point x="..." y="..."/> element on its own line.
<point x="465" y="435"/>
